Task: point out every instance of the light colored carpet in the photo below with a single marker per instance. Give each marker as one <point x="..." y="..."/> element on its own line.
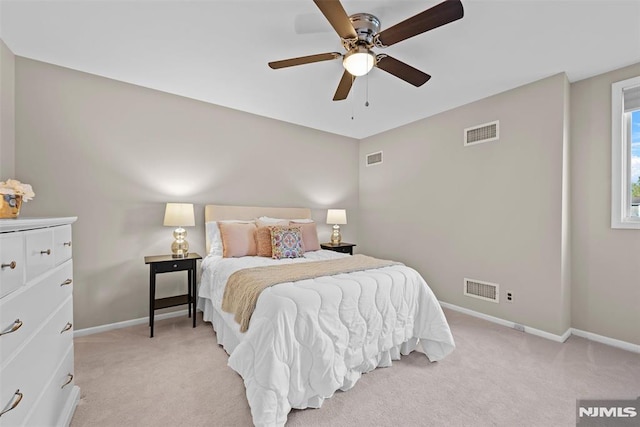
<point x="496" y="377"/>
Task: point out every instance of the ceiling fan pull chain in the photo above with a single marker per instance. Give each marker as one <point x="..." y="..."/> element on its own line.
<point x="366" y="103"/>
<point x="352" y="113"/>
<point x="352" y="101"/>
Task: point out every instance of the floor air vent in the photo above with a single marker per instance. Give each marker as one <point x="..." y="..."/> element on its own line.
<point x="482" y="133"/>
<point x="482" y="290"/>
<point x="374" y="158"/>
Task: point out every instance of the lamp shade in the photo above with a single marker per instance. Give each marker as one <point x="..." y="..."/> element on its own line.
<point x="179" y="215"/>
<point x="336" y="216"/>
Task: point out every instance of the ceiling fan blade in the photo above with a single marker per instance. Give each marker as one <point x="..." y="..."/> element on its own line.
<point x="441" y="14"/>
<point x="304" y="60"/>
<point x="337" y="17"/>
<point x="402" y="70"/>
<point x="344" y="86"/>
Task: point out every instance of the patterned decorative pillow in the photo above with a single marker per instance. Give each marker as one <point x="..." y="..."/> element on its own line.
<point x="286" y="242"/>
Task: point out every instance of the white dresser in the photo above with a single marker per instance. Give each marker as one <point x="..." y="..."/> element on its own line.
<point x="36" y="322"/>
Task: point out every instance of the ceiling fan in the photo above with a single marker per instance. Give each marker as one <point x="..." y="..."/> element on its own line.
<point x="360" y="32"/>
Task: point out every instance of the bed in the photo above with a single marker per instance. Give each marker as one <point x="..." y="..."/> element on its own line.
<point x="309" y="338"/>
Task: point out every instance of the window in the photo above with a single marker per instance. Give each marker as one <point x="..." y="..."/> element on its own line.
<point x="625" y="154"/>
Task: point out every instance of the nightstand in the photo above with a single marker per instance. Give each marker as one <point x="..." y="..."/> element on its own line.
<point x="345" y="248"/>
<point x="167" y="264"/>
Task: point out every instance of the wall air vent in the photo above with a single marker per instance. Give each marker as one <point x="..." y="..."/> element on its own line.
<point x="482" y="290"/>
<point x="482" y="133"/>
<point x="374" y="158"/>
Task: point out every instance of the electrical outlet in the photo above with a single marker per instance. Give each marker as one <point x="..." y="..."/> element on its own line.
<point x="509" y="296"/>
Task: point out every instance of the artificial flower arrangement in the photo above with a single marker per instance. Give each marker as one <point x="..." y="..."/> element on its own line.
<point x="13" y="194"/>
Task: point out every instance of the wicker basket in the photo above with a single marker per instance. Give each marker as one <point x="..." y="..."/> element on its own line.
<point x="10" y="206"/>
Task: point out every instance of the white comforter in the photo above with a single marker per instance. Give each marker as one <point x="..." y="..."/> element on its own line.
<point x="308" y="339"/>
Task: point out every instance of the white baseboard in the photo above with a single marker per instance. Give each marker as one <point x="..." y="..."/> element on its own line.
<point x="559" y="338"/>
<point x="126" y="323"/>
<point x="606" y="340"/>
<point x="508" y="323"/>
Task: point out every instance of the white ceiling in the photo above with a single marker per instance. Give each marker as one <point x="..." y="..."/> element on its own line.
<point x="217" y="51"/>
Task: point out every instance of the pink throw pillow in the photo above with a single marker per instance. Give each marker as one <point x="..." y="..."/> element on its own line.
<point x="309" y="235"/>
<point x="238" y="239"/>
<point x="263" y="241"/>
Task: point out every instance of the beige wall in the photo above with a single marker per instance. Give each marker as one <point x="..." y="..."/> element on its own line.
<point x="7" y="112"/>
<point x="606" y="261"/>
<point x="113" y="154"/>
<point x="495" y="212"/>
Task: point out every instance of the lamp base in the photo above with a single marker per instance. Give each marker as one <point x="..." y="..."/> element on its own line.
<point x="336" y="238"/>
<point x="180" y="246"/>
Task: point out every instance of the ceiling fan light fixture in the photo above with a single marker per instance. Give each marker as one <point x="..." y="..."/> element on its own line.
<point x="359" y="61"/>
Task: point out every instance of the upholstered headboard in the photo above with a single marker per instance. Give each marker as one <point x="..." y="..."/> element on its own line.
<point x="225" y="213"/>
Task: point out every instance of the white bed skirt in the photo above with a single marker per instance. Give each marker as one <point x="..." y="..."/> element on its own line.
<point x="228" y="334"/>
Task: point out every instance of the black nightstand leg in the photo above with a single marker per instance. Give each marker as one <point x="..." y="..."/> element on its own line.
<point x="193" y="283"/>
<point x="189" y="289"/>
<point x="152" y="298"/>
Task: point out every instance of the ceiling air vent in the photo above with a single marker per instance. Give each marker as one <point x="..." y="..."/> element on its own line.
<point x="482" y="133"/>
<point x="374" y="158"/>
<point x="481" y="290"/>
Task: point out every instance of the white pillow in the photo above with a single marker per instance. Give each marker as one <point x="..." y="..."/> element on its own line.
<point x="265" y="221"/>
<point x="268" y="219"/>
<point x="213" y="235"/>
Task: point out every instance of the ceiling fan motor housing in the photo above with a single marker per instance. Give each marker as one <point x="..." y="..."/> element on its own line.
<point x="366" y="26"/>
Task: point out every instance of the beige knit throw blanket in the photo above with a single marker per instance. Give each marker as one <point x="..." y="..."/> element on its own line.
<point x="244" y="286"/>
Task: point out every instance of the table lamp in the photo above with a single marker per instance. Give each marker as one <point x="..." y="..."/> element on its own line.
<point x="179" y="215"/>
<point x="335" y="217"/>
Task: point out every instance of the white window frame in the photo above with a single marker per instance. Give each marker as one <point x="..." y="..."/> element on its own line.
<point x="620" y="159"/>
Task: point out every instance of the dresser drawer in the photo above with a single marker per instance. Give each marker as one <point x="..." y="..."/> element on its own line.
<point x="12" y="262"/>
<point x="56" y="394"/>
<point x="62" y="243"/>
<point x="39" y="252"/>
<point x="33" y="366"/>
<point x="177" y="265"/>
<point x="30" y="306"/>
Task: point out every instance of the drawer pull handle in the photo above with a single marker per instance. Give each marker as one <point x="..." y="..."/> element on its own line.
<point x="67" y="243"/>
<point x="17" y="399"/>
<point x="11" y="265"/>
<point x="47" y="252"/>
<point x="16" y="325"/>
<point x="69" y="379"/>
<point x="66" y="327"/>
<point x="66" y="282"/>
